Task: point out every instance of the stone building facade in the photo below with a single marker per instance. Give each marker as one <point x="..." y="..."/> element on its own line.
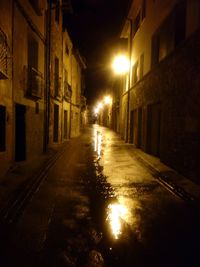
<point x="161" y="99"/>
<point x="22" y="73"/>
<point x="66" y="72"/>
<point x="67" y="84"/>
<point x="40" y="80"/>
<point x="6" y="93"/>
<point x="78" y="65"/>
<point x="56" y="73"/>
<point x="28" y="78"/>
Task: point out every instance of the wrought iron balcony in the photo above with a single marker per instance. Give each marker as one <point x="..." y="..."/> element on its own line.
<point x="39" y="6"/>
<point x="35" y="84"/>
<point x="83" y="102"/>
<point x="67" y="91"/>
<point x="57" y="89"/>
<point x="3" y="56"/>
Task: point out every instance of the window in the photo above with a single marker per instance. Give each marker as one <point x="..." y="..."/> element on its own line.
<point x="180" y="22"/>
<point x="34" y="76"/>
<point x="66" y="49"/>
<point x="155" y="46"/>
<point x="170" y="33"/>
<point x="65" y="75"/>
<point x="3" y="55"/>
<point x="65" y="123"/>
<point x="32" y="52"/>
<point x="2" y="128"/>
<point x="38" y="6"/>
<point x="136" y="23"/>
<point x="135" y="73"/>
<point x="56" y="123"/>
<point x="37" y="110"/>
<point x="143" y="12"/>
<point x="57" y="13"/>
<point x="56" y="77"/>
<point x="141" y="66"/>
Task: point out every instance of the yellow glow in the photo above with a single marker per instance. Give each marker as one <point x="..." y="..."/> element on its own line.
<point x="99" y="138"/>
<point x="108" y="100"/>
<point x="97" y="142"/>
<point x="100" y="105"/>
<point x="121" y="64"/>
<point x="116" y="212"/>
<point x="96" y="110"/>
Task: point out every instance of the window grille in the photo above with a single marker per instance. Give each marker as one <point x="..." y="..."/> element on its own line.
<point x="3" y="56"/>
<point x="67" y="91"/>
<point x="35" y="84"/>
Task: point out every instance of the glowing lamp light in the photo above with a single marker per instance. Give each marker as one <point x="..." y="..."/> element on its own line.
<point x="96" y="110"/>
<point x="100" y="105"/>
<point x="121" y="65"/>
<point x="107" y="100"/>
<point x="116" y="213"/>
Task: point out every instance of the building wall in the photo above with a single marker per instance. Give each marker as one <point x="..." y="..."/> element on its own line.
<point x="75" y="121"/>
<point x="164" y="101"/>
<point x="22" y="88"/>
<point x="56" y="76"/>
<point x="6" y="109"/>
<point x="29" y="28"/>
<point x="26" y="75"/>
<point x="63" y="107"/>
<point x="67" y="82"/>
<point x="156" y="13"/>
<point x="76" y="95"/>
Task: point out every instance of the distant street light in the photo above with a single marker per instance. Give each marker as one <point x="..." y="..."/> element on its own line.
<point x="121" y="64"/>
<point x="107" y="100"/>
<point x="96" y="110"/>
<point x="100" y="105"/>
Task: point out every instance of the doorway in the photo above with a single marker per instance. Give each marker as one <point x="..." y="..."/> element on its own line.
<point x="153" y="129"/>
<point x="65" y="124"/>
<point x="56" y="120"/>
<point x="20" y="132"/>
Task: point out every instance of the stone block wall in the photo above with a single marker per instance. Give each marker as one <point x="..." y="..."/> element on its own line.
<point x="174" y="84"/>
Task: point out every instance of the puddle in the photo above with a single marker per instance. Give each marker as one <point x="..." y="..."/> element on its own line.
<point x="116" y="213"/>
<point x="97" y="143"/>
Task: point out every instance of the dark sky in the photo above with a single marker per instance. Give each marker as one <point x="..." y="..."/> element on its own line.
<point x="94" y="27"/>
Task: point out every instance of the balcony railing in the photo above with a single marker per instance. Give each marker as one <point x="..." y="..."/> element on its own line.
<point x="35" y="83"/>
<point x="39" y="6"/>
<point x="83" y="103"/>
<point x="3" y="56"/>
<point x="57" y="89"/>
<point x="67" y="91"/>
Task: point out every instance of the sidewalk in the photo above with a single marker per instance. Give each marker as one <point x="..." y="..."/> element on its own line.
<point x="21" y="173"/>
<point x="169" y="174"/>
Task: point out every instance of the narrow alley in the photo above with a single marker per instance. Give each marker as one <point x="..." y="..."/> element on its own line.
<point x="100" y="205"/>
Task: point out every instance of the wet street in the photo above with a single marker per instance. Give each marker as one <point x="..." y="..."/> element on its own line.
<point x="100" y="206"/>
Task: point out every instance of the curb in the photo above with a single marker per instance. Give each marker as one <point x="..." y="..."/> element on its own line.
<point x="166" y="182"/>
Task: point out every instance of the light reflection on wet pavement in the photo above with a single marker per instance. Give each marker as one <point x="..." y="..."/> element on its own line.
<point x="135" y="210"/>
<point x="100" y="207"/>
<point x="118" y="190"/>
<point x="115" y="214"/>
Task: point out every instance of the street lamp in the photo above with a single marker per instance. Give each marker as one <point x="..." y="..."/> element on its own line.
<point x="120" y="64"/>
<point x="107" y="100"/>
<point x="100" y="105"/>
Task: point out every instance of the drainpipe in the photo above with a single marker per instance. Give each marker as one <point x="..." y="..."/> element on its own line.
<point x="12" y="83"/>
<point x="70" y="101"/>
<point x="47" y="76"/>
<point x="129" y="78"/>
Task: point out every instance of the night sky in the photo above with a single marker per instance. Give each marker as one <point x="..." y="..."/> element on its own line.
<point x="95" y="27"/>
